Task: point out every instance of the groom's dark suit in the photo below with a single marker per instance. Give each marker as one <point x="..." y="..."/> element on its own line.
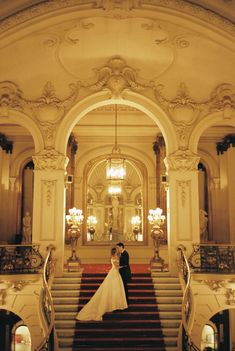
<point x="125" y="271"/>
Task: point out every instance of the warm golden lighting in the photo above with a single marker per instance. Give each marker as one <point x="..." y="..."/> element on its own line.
<point x="75" y="217"/>
<point x="114" y="189"/>
<point x="135" y="220"/>
<point x="156" y="218"/>
<point x="116" y="168"/>
<point x="91" y="220"/>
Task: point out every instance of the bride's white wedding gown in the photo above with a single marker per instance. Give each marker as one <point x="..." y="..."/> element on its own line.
<point x="110" y="296"/>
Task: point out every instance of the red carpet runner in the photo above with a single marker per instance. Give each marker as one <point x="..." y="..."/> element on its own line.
<point x="135" y="329"/>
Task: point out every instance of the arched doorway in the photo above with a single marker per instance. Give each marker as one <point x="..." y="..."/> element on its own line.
<point x="94" y="135"/>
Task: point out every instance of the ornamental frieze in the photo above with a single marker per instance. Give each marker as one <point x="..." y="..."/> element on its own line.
<point x="118" y="9"/>
<point x="46" y="108"/>
<point x="50" y="159"/>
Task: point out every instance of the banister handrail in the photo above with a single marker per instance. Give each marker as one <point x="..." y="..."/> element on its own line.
<point x="47" y="270"/>
<point x="185" y="301"/>
<point x="187" y="279"/>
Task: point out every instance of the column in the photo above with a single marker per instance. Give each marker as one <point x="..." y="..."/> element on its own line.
<point x="12" y="208"/>
<point x="182" y="203"/>
<point x="4" y="193"/>
<point x="222" y="209"/>
<point x="49" y="202"/>
<point x="216" y="223"/>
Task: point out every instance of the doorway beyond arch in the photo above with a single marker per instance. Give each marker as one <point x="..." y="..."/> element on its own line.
<point x="102" y="98"/>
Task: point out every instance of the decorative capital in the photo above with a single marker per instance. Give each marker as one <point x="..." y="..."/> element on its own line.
<point x="50" y="159"/>
<point x="182" y="160"/>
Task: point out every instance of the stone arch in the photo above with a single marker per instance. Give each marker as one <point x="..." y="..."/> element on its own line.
<point x="20" y="161"/>
<point x="17" y="117"/>
<point x="210" y="163"/>
<point x="102" y="98"/>
<point x="213" y="119"/>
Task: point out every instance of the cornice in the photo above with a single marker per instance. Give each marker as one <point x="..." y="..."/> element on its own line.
<point x="117" y="9"/>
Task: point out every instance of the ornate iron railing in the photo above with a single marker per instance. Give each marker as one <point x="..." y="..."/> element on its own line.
<point x="18" y="259"/>
<point x="49" y="341"/>
<point x="187" y="344"/>
<point x="212" y="258"/>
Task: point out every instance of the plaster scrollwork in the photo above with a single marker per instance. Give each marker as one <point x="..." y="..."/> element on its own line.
<point x="10" y="97"/>
<point x="223" y="99"/>
<point x="166" y="37"/>
<point x="49" y="160"/>
<point x="214" y="285"/>
<point x="48" y="107"/>
<point x="15" y="285"/>
<point x="183" y="109"/>
<point x="116" y="76"/>
<point x="49" y="184"/>
<point x="182" y="160"/>
<point x="109" y="5"/>
<point x="184" y="184"/>
<point x="125" y="5"/>
<point x="231" y="296"/>
<point x="66" y="35"/>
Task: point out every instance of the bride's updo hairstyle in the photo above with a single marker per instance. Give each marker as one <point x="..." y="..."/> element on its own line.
<point x="113" y="251"/>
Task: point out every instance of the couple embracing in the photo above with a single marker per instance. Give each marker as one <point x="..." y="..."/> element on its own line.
<point x="112" y="294"/>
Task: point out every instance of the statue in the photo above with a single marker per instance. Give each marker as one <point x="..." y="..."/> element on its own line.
<point x="203" y="220"/>
<point x="115" y="211"/>
<point x="27" y="231"/>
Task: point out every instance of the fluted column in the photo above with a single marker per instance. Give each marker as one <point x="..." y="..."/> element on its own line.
<point x="49" y="202"/>
<point x="183" y="202"/>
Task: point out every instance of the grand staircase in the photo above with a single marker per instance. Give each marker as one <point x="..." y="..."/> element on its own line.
<point x="151" y="322"/>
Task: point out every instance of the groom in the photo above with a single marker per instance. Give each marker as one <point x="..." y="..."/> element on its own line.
<point x="124" y="269"/>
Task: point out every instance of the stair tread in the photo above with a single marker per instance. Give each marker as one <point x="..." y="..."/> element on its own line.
<point x="155" y="302"/>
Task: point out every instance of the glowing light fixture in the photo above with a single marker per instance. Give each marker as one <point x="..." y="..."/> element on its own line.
<point x="116" y="168"/>
<point x="114" y="189"/>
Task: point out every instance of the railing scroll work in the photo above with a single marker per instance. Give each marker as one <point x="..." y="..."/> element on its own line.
<point x="187" y="344"/>
<point x="49" y="342"/>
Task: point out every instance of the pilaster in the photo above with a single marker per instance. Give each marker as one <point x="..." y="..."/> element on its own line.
<point x="49" y="202"/>
<point x="183" y="202"/>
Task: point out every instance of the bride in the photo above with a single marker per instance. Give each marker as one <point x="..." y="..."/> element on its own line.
<point x="110" y="295"/>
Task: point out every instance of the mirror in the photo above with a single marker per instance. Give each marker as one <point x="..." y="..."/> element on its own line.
<point x="110" y="216"/>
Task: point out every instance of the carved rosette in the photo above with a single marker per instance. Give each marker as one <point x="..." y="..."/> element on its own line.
<point x="182" y="160"/>
<point x="49" y="160"/>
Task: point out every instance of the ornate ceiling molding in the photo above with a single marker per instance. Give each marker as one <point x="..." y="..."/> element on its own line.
<point x="117" y="9"/>
<point x="116" y="76"/>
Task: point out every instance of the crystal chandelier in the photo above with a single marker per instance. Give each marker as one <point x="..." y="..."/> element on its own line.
<point x="115" y="168"/>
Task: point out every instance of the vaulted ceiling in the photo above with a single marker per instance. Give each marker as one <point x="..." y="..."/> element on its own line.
<point x="175" y="43"/>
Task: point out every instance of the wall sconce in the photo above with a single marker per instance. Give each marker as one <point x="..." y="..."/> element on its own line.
<point x="91" y="222"/>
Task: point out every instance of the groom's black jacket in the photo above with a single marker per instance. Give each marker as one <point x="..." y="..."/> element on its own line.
<point x="125" y="270"/>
